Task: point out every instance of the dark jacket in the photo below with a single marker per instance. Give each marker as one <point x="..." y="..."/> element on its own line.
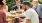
<point x="15" y="7"/>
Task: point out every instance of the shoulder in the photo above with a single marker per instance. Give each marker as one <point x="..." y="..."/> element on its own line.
<point x="39" y="6"/>
<point x="14" y="6"/>
<point x="2" y="12"/>
<point x="30" y="10"/>
<point x="33" y="12"/>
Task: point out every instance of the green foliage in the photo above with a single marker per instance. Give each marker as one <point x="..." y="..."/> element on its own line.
<point x="9" y="3"/>
<point x="21" y="1"/>
<point x="40" y="1"/>
<point x="30" y="0"/>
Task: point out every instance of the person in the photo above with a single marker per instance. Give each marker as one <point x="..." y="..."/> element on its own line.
<point x="2" y="14"/>
<point x="5" y="6"/>
<point x="17" y="6"/>
<point x="40" y="12"/>
<point x="31" y="15"/>
<point x="38" y="8"/>
<point x="35" y="5"/>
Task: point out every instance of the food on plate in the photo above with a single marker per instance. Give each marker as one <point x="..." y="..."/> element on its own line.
<point x="20" y="11"/>
<point x="9" y="17"/>
<point x="13" y="12"/>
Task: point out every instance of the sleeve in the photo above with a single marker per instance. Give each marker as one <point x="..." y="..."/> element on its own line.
<point x="4" y="18"/>
<point x="39" y="9"/>
<point x="27" y="15"/>
<point x="6" y="8"/>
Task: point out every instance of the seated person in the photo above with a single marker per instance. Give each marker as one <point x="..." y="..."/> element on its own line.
<point x="17" y="6"/>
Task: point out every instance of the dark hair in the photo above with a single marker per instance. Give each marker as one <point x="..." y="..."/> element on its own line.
<point x="1" y="3"/>
<point x="16" y="0"/>
<point x="26" y="3"/>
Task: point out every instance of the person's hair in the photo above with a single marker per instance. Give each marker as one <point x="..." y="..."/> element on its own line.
<point x="26" y="3"/>
<point x="16" y="0"/>
<point x="1" y="3"/>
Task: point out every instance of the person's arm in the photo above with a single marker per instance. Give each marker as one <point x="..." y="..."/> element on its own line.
<point x="28" y="18"/>
<point x="6" y="8"/>
<point x="28" y="21"/>
<point x="39" y="10"/>
<point x="4" y="18"/>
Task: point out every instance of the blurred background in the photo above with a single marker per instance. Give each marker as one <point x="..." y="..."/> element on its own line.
<point x="11" y="3"/>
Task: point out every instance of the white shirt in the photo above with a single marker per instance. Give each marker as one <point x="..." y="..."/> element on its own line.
<point x="6" y="9"/>
<point x="32" y="15"/>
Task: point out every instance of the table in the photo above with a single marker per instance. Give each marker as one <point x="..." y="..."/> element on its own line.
<point x="10" y="17"/>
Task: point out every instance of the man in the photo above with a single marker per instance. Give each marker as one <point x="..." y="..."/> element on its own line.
<point x="2" y="13"/>
<point x="17" y="6"/>
<point x="31" y="15"/>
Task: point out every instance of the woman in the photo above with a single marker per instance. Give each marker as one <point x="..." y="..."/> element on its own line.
<point x="2" y="14"/>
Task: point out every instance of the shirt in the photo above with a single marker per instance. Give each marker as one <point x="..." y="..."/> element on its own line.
<point x="15" y="7"/>
<point x="36" y="7"/>
<point x="32" y="15"/>
<point x="2" y="17"/>
<point x="39" y="10"/>
<point x="6" y="9"/>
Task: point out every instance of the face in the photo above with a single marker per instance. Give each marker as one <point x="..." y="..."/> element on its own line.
<point x="18" y="3"/>
<point x="35" y="3"/>
<point x="4" y="1"/>
<point x="25" y="7"/>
